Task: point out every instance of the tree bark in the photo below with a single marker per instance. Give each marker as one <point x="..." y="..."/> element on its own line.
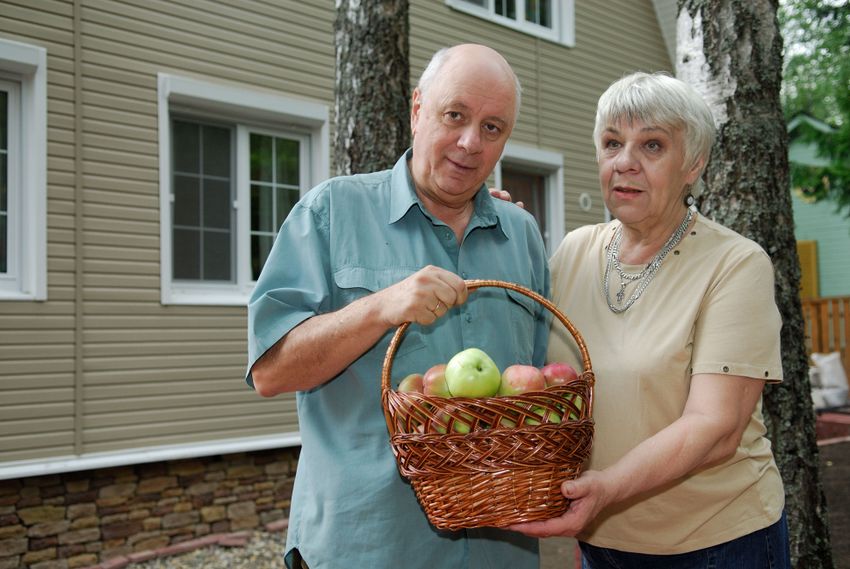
<point x="731" y="51"/>
<point x="372" y="87"/>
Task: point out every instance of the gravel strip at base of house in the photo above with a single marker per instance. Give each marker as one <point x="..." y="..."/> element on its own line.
<point x="263" y="550"/>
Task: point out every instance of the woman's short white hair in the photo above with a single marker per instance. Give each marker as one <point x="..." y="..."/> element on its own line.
<point x="440" y="58"/>
<point x="660" y="100"/>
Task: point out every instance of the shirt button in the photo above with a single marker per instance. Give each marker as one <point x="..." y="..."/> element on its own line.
<point x="469" y="317"/>
<point x="463" y="275"/>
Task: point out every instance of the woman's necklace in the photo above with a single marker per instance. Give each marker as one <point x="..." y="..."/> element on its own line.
<point x="645" y="276"/>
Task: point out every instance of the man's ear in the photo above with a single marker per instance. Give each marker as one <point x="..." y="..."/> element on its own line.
<point x="415" y="108"/>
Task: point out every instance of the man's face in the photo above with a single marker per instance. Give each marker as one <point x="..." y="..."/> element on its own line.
<point x="460" y="127"/>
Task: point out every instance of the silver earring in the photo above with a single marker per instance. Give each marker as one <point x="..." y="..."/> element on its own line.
<point x="690" y="200"/>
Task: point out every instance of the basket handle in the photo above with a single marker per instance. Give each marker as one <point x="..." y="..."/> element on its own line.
<point x="478" y="283"/>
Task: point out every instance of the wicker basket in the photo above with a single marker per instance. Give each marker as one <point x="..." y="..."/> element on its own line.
<point x="491" y="461"/>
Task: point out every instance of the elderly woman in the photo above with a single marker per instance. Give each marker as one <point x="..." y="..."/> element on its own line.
<point x="679" y="317"/>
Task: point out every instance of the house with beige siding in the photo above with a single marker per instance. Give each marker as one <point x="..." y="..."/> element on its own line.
<point x="151" y="148"/>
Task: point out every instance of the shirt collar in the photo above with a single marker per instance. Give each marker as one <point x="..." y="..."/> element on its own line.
<point x="403" y="197"/>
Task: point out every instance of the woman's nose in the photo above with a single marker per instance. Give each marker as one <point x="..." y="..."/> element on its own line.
<point x="626" y="159"/>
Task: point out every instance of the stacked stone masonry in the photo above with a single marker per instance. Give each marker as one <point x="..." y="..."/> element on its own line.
<point x="81" y="519"/>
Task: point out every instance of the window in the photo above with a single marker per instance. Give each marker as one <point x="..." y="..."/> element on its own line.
<point x="275" y="183"/>
<point x="233" y="162"/>
<point x="549" y="19"/>
<point x="535" y="177"/>
<point x="23" y="171"/>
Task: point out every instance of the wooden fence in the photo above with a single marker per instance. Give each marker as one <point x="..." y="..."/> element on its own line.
<point x="827" y="322"/>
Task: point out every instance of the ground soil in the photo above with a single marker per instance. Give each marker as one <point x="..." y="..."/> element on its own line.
<point x="559" y="553"/>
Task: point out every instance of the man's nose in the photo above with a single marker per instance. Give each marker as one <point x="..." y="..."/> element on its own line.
<point x="470" y="139"/>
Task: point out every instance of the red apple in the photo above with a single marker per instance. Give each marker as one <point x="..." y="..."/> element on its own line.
<point x="434" y="381"/>
<point x="412" y="382"/>
<point x="559" y="373"/>
<point x="520" y="378"/>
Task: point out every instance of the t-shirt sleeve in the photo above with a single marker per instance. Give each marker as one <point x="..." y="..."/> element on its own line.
<point x="293" y="285"/>
<point x="737" y="330"/>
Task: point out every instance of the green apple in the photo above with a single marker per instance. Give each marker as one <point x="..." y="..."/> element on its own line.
<point x="550" y="417"/>
<point x="472" y="373"/>
<point x="579" y="403"/>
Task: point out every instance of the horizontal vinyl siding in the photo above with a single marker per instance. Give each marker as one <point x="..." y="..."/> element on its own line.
<point x="148" y="374"/>
<point x="560" y="85"/>
<point x="37" y="339"/>
<point x="156" y="375"/>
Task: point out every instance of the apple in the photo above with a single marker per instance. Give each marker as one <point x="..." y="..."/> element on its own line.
<point x="559" y="373"/>
<point x="520" y="378"/>
<point x="412" y="382"/>
<point x="434" y="381"/>
<point x="578" y="401"/>
<point x="545" y="415"/>
<point x="456" y="425"/>
<point x="472" y="373"/>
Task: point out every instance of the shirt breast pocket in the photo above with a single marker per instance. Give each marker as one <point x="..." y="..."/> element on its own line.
<point x="354" y="283"/>
<point x="524" y="312"/>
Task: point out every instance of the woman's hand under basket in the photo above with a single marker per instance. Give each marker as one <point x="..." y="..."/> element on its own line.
<point x="588" y="494"/>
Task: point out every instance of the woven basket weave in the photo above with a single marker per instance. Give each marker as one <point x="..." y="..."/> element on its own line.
<point x="492" y="461"/>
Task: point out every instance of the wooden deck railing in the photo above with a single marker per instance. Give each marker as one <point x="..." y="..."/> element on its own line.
<point x="827" y="322"/>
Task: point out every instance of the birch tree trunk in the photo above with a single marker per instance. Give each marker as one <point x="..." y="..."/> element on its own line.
<point x="731" y="51"/>
<point x="372" y="87"/>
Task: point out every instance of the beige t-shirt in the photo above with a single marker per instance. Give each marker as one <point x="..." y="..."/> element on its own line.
<point x="709" y="309"/>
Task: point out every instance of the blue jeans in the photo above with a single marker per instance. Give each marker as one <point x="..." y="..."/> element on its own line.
<point x="763" y="549"/>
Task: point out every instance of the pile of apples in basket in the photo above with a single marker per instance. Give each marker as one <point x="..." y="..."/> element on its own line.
<point x="472" y="373"/>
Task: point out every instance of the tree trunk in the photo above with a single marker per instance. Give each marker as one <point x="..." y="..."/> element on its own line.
<point x="731" y="51"/>
<point x="372" y="89"/>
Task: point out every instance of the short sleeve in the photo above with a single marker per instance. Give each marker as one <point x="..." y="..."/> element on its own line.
<point x="293" y="285"/>
<point x="737" y="330"/>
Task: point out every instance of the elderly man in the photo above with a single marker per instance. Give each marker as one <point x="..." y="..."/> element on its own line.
<point x="357" y="257"/>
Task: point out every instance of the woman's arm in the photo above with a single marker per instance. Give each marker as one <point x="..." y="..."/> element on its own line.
<point x="709" y="431"/>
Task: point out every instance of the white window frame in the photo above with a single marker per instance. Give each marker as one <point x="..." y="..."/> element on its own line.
<point x="563" y="19"/>
<point x="243" y="107"/>
<point x="23" y="69"/>
<point x="550" y="165"/>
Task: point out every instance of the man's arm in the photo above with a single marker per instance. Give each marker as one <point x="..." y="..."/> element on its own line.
<point x="321" y="347"/>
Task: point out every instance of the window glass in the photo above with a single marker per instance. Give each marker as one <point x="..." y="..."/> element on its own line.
<point x="187" y="156"/>
<point x="506" y="8"/>
<point x="203" y="202"/>
<point x="275" y="188"/>
<point x="539" y="12"/>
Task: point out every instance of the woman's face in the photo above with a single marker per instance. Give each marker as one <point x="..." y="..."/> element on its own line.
<point x="641" y="172"/>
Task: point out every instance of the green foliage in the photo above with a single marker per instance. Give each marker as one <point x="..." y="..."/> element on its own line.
<point x="816" y="82"/>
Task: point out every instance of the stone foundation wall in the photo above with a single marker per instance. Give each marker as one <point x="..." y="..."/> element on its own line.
<point x="81" y="519"/>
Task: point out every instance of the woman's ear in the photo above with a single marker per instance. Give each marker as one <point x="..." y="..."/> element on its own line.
<point x="695" y="172"/>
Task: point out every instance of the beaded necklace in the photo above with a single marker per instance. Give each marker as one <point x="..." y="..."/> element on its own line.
<point x="648" y="272"/>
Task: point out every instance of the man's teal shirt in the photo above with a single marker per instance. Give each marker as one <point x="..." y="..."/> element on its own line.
<point x="350" y="237"/>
